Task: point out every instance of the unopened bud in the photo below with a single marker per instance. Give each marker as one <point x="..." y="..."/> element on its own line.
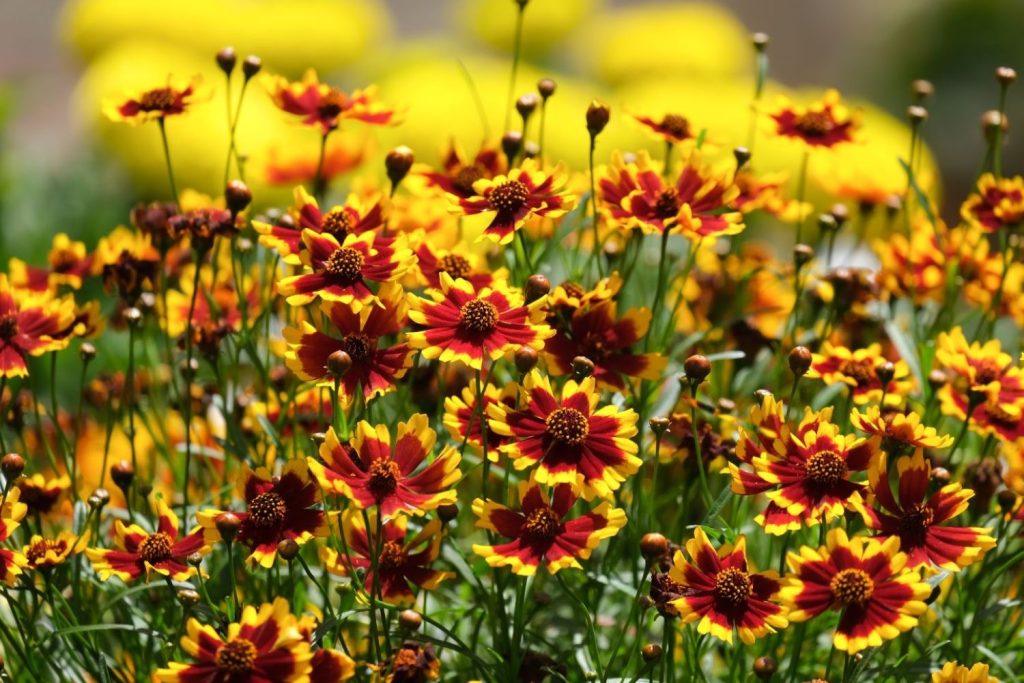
<point x="511" y="145"/>
<point x="133" y="316"/>
<point x="251" y="66"/>
<point x="537" y="285"/>
<point x="288" y="549"/>
<point x="650" y="652"/>
<point x="885" y="372"/>
<point x="527" y="104"/>
<point x="760" y="41"/>
<point x="228" y="525"/>
<point x="122" y="473"/>
<point x="582" y="367"/>
<point x="447" y="512"/>
<point x="12" y="465"/>
<point x="802" y="254"/>
<point x="697" y="369"/>
<point x="659" y="425"/>
<point x="188" y="597"/>
<point x="1007" y="500"/>
<point x="546" y="87"/>
<point x="397" y="163"/>
<point x="916" y="113"/>
<point x="765" y="668"/>
<point x="800" y="360"/>
<point x="237" y="196"/>
<point x="598" y="115"/>
<point x="226" y="59"/>
<point x="338" y="363"/>
<point x="87" y="351"/>
<point x="922" y="89"/>
<point x="653" y="545"/>
<point x="410" y="620"/>
<point x="742" y="156"/>
<point x="840" y="213"/>
<point x="941" y="475"/>
<point x="525" y="359"/>
<point x="991" y="122"/>
<point x="1005" y="75"/>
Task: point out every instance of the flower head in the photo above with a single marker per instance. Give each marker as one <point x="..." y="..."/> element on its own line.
<point x="899" y="433"/>
<point x="672" y="128"/>
<point x="952" y="672"/>
<point x="11" y="514"/>
<point x="31" y="324"/>
<point x="466" y="421"/>
<point x="858" y="369"/>
<point x="825" y="123"/>
<point x="458" y="174"/>
<point x="158" y="103"/>
<point x="998" y="204"/>
<point x="321" y="105"/>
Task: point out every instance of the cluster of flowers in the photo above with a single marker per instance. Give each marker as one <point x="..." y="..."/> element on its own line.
<point x="321" y="351"/>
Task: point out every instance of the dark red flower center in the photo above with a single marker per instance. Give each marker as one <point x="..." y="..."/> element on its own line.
<point x="815" y="124"/>
<point x="852" y="587"/>
<point x="357" y="346"/>
<point x="509" y="197"/>
<point x="733" y="586"/>
<point x="392" y="556"/>
<point x="675" y="125"/>
<point x="861" y="371"/>
<point x="455" y="265"/>
<point x="542" y="524"/>
<point x="159" y="99"/>
<point x="987" y="372"/>
<point x="332" y="104"/>
<point x="914" y="525"/>
<point x="825" y="468"/>
<point x="336" y="223"/>
<point x="237" y="656"/>
<point x="667" y="204"/>
<point x="478" y="315"/>
<point x="267" y="510"/>
<point x="8" y="327"/>
<point x="464" y="179"/>
<point x="383" y="480"/>
<point x="568" y="426"/>
<point x="997" y="413"/>
<point x="155" y="548"/>
<point x="346" y="264"/>
<point x="573" y="290"/>
<point x="36" y="552"/>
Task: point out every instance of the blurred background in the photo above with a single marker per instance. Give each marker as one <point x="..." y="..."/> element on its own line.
<point x="63" y="167"/>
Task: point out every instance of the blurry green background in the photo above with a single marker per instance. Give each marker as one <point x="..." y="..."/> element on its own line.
<point x="65" y="169"/>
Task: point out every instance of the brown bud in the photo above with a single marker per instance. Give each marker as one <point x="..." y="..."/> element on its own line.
<point x="527" y="104"/>
<point x="653" y="545"/>
<point x="827" y="223"/>
<point x="697" y="369"/>
<point x="941" y="475"/>
<point x="227" y="525"/>
<point x="659" y="425"/>
<point x="990" y="123"/>
<point x="188" y="369"/>
<point x="410" y="620"/>
<point x="122" y="473"/>
<point x="188" y="597"/>
<point x="802" y="254"/>
<point x="1007" y="500"/>
<point x="511" y="145"/>
<point x="726" y="405"/>
<point x="397" y="163"/>
<point x="651" y="652"/>
<point x="194" y="559"/>
<point x="840" y="213"/>
<point x="916" y="113"/>
<point x="288" y="549"/>
<point x="582" y="367"/>
<point x="542" y="598"/>
<point x="598" y="115"/>
<point x="12" y="465"/>
<point x="765" y="667"/>
<point x="546" y="87"/>
<point x="531" y="150"/>
<point x="226" y="59"/>
<point x="922" y="89"/>
<point x="318" y="437"/>
<point x="251" y="66"/>
<point x="761" y="394"/>
<point x="937" y="379"/>
<point x="742" y="156"/>
<point x="447" y="512"/>
<point x="237" y="196"/>
<point x="525" y="359"/>
<point x="760" y="41"/>
<point x="885" y="372"/>
<point x="338" y="363"/>
<point x="537" y="285"/>
<point x="132" y="316"/>
<point x="645" y="602"/>
<point x="99" y="498"/>
<point x="800" y="360"/>
<point x="87" y="351"/>
<point x="1005" y="75"/>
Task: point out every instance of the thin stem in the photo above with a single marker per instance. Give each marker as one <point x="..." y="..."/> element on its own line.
<point x="516" y="48"/>
<point x="319" y="182"/>
<point x="187" y="399"/>
<point x="800" y="192"/>
<point x="167" y="159"/>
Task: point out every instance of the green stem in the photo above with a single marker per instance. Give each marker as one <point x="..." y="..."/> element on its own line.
<point x="516" y="49"/>
<point x="167" y="159"/>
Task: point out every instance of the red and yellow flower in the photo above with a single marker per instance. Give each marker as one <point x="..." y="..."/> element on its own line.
<point x="41" y="494"/>
<point x="525" y="192"/>
<point x="824" y="123"/>
<point x="321" y="105"/>
<point x="763" y="192"/>
<point x="359" y="333"/>
<point x="723" y="593"/>
<point x="342" y="271"/>
<point x="568" y="438"/>
<point x="466" y="421"/>
<point x="140" y="552"/>
<point x="31" y="324"/>
<point x="858" y="369"/>
<point x="264" y="645"/>
<point x="154" y="104"/>
<point x="403" y="560"/>
<point x="458" y="174"/>
<point x="68" y="263"/>
<point x="372" y="473"/>
<point x="277" y="509"/>
<point x="540" y="532"/>
<point x="997" y="204"/>
<point x="457" y="264"/>
<point x="672" y="128"/>
<point x="953" y="672"/>
<point x="898" y="433"/>
<point x="912" y="515"/>
<point x="43" y="553"/>
<point x="11" y="514"/>
<point x="468" y="325"/>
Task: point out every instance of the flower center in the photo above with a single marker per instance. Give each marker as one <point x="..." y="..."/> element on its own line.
<point x="346" y="264"/>
<point x="238" y="656"/>
<point x="542" y="524"/>
<point x="383" y="478"/>
<point x="509" y="197"/>
<point x="455" y="265"/>
<point x="357" y="346"/>
<point x="155" y="548"/>
<point x="852" y="587"/>
<point x="156" y="100"/>
<point x="667" y="205"/>
<point x="464" y="179"/>
<point x="675" y="125"/>
<point x="478" y="316"/>
<point x="37" y="551"/>
<point x="733" y="586"/>
<point x="568" y="426"/>
<point x="267" y="510"/>
<point x="861" y="371"/>
<point x="8" y="327"/>
<point x="332" y="104"/>
<point x="815" y="124"/>
<point x="914" y="524"/>
<point x="391" y="556"/>
<point x="997" y="413"/>
<point x="825" y="468"/>
<point x="987" y="372"/>
<point x="573" y="290"/>
<point x="336" y="223"/>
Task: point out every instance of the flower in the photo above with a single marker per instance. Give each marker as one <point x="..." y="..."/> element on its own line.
<point x="321" y="105"/>
<point x="719" y="589"/>
<point x="218" y="306"/>
<point x="403" y="559"/>
<point x="598" y="334"/>
<point x="998" y="204"/>
<point x="31" y="324"/>
<point x="458" y="174"/>
<point x="952" y="672"/>
<point x="467" y="325"/>
<point x="764" y="192"/>
<point x="128" y="262"/>
<point x="11" y="514"/>
<point x="413" y="663"/>
<point x="569" y="439"/>
<point x="340" y="271"/>
<point x="695" y="205"/>
<point x="432" y="261"/>
<point x="42" y="553"/>
<point x="140" y="552"/>
<point x="371" y="473"/>
<point x="540" y="532"/>
<point x="68" y="264"/>
<point x="331" y="666"/>
<point x="513" y="198"/>
<point x="286" y="165"/>
<point x="899" y="433"/>
<point x="154" y="104"/>
<point x="865" y="578"/>
<point x="465" y="420"/>
<point x="40" y="494"/>
<point x="264" y="645"/>
<point x="915" y="517"/>
<point x="361" y="334"/>
<point x="859" y="370"/>
<point x="671" y="128"/>
<point x="825" y="123"/>
<point x="277" y="508"/>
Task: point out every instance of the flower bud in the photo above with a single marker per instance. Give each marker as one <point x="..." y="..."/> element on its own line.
<point x="937" y="379"/>
<point x="800" y="360"/>
<point x="760" y="41"/>
<point x="338" y="363"/>
<point x="525" y="359"/>
<point x="598" y="115"/>
<point x="132" y="316"/>
<point x="531" y="150"/>
<point x="511" y="145"/>
<point x="645" y="602"/>
<point x="237" y="196"/>
<point x="537" y="285"/>
<point x="941" y="475"/>
<point x="318" y="438"/>
<point x="697" y="369"/>
<point x="827" y="223"/>
<point x="840" y="213"/>
<point x="397" y="163"/>
<point x="228" y="525"/>
<point x="990" y="123"/>
<point x="765" y="668"/>
<point x="226" y="59"/>
<point x="527" y="104"/>
<point x="1005" y="75"/>
<point x="802" y="254"/>
<point x="650" y="652"/>
<point x="447" y="512"/>
<point x="87" y="352"/>
<point x="916" y="114"/>
<point x="188" y="597"/>
<point x="582" y="367"/>
<point x="1007" y="500"/>
<point x="885" y="372"/>
<point x="410" y="620"/>
<point x="922" y="89"/>
<point x="122" y="473"/>
<point x="12" y="465"/>
<point x="288" y="549"/>
<point x="653" y="545"/>
<point x="251" y="66"/>
<point x="659" y="425"/>
<point x="194" y="559"/>
<point x="742" y="156"/>
<point x="546" y="87"/>
<point x="761" y="394"/>
<point x="934" y="595"/>
<point x="99" y="498"/>
<point x="726" y="405"/>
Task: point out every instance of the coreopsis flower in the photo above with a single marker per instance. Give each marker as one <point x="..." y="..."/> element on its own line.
<point x="679" y="444"/>
<point x="43" y="553"/>
<point x="218" y="305"/>
<point x="567" y="438"/>
<point x="723" y="593"/>
<point x="695" y="205"/>
<point x="858" y="370"/>
<point x="997" y="204"/>
<point x="413" y="663"/>
<point x="11" y="514"/>
<point x="371" y="472"/>
<point x="466" y="421"/>
<point x="265" y="644"/>
<point x="953" y="672"/>
<point x="470" y="325"/>
<point x="525" y="192"/>
<point x="403" y="559"/>
<point x="458" y="174"/>
<point x="570" y="296"/>
<point x="277" y="509"/>
<point x="142" y="553"/>
<point x="287" y="164"/>
<point x="321" y="105"/>
<point x="40" y="494"/>
<point x="597" y="333"/>
<point x="672" y="128"/>
<point x="824" y="123"/>
<point x="763" y="192"/>
<point x="866" y="579"/>
<point x="154" y="104"/>
<point x="915" y="517"/>
<point x="362" y="334"/>
<point x="342" y="271"/>
<point x="128" y="263"/>
<point x="457" y="264"/>
<point x="983" y="380"/>
<point x="68" y="263"/>
<point x="356" y="216"/>
<point x="331" y="666"/>
<point x="31" y="324"/>
<point x="539" y="531"/>
<point x="899" y="433"/>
